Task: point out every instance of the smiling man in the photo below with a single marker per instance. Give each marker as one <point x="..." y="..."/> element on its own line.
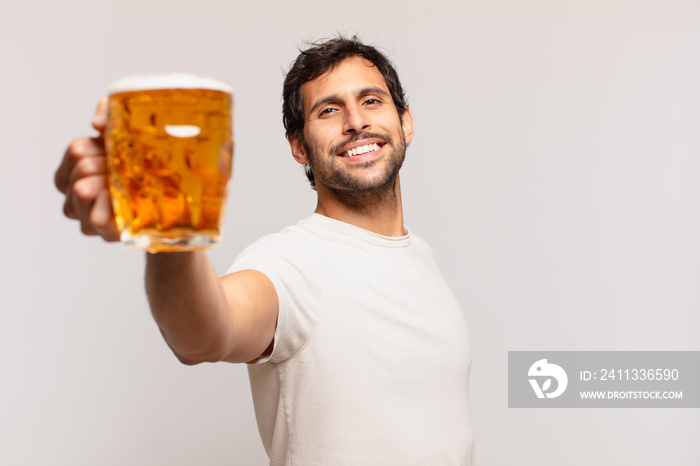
<point x="359" y="140"/>
<point x="358" y="352"/>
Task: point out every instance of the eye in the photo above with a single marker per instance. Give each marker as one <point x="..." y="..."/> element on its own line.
<point x="326" y="111"/>
<point x="372" y="101"/>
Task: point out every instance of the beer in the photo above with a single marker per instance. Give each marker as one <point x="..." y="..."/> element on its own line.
<point x="169" y="146"/>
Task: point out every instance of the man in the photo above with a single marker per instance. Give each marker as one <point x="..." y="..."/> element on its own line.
<point x="358" y="352"/>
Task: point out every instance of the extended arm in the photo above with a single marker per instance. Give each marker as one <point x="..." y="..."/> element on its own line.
<point x="203" y="318"/>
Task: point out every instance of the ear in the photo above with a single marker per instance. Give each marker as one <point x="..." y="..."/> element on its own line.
<point x="407" y="125"/>
<point x="298" y="151"/>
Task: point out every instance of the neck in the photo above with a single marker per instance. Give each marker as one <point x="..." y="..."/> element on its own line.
<point x="379" y="212"/>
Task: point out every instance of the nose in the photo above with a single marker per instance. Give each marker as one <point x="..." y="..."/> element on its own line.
<point x="356" y="120"/>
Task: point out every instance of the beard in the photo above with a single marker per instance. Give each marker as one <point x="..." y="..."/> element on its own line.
<point x="377" y="178"/>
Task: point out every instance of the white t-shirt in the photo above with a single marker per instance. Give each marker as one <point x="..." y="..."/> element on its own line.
<point x="371" y="356"/>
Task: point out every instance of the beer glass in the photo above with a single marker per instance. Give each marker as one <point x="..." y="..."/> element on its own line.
<point x="169" y="141"/>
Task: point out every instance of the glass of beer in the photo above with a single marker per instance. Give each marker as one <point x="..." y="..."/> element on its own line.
<point x="169" y="141"/>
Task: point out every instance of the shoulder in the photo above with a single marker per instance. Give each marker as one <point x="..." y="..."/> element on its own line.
<point x="294" y="244"/>
<point x="292" y="262"/>
<point x="421" y="244"/>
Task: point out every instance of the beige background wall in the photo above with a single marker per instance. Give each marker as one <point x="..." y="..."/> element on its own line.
<point x="555" y="170"/>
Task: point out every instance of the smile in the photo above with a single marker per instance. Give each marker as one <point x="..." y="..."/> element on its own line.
<point x="367" y="148"/>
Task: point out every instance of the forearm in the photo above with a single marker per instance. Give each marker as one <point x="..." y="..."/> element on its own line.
<point x="189" y="305"/>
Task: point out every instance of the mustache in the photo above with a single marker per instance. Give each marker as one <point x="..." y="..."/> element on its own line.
<point x="384" y="138"/>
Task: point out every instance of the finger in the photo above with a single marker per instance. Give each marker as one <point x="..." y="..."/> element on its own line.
<point x="99" y="120"/>
<point x="87" y="229"/>
<point x="88" y="166"/>
<point x="82" y="194"/>
<point x="102" y="217"/>
<point x="68" y="208"/>
<point x="77" y="150"/>
<point x="81" y="147"/>
<point x="82" y="197"/>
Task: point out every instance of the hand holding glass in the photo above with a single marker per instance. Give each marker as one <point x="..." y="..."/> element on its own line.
<point x="169" y="141"/>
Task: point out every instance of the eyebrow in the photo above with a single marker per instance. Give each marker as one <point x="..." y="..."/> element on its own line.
<point x="336" y="97"/>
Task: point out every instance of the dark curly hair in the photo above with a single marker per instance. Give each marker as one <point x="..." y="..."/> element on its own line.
<point x="314" y="61"/>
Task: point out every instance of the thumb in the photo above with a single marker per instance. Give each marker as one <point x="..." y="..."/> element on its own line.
<point x="99" y="120"/>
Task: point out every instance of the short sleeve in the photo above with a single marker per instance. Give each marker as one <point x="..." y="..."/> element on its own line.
<point x="292" y="266"/>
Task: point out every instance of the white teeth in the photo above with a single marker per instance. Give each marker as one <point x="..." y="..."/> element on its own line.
<point x="362" y="149"/>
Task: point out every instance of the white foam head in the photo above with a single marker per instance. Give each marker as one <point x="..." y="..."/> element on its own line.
<point x="143" y="82"/>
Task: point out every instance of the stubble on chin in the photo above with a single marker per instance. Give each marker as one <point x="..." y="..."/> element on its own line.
<point x="360" y="194"/>
<point x="368" y="200"/>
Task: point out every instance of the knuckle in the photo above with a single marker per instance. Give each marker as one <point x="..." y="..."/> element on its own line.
<point x="68" y="210"/>
<point x="77" y="190"/>
<point x="77" y="148"/>
<point x="86" y="166"/>
<point x="87" y="229"/>
<point x="59" y="180"/>
<point x="84" y="190"/>
<point x="78" y="207"/>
